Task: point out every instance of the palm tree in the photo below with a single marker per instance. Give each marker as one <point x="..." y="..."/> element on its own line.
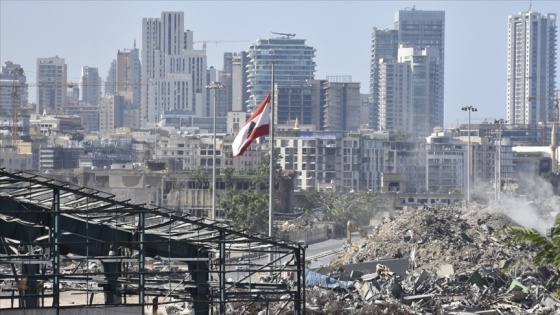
<point x="548" y="246"/>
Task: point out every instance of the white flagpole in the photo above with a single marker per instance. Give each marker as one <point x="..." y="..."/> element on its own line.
<point x="271" y="182"/>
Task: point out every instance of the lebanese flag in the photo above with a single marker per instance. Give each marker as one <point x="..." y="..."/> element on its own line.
<point x="256" y="126"/>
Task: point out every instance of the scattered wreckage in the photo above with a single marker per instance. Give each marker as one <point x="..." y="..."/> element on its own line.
<point x="441" y="260"/>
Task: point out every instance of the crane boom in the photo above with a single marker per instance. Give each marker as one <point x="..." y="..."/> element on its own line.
<point x="204" y="42"/>
<point x="288" y="35"/>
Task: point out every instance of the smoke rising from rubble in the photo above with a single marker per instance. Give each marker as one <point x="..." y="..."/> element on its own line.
<point x="533" y="208"/>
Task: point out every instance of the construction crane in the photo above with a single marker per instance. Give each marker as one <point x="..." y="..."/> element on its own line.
<point x="204" y="42"/>
<point x="15" y="106"/>
<point x="288" y="35"/>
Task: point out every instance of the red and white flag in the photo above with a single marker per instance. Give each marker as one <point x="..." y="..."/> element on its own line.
<point x="256" y="126"/>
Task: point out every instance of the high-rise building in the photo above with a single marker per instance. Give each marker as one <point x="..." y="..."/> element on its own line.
<point x="234" y="78"/>
<point x="52" y="84"/>
<point x="12" y="77"/>
<point x="90" y="91"/>
<point x="295" y="101"/>
<point x="385" y="46"/>
<point x="239" y="92"/>
<point x="531" y="68"/>
<point x="407" y="103"/>
<point x="111" y="81"/>
<point x="417" y="29"/>
<point x="341" y="111"/>
<point x="293" y="61"/>
<point x="128" y="75"/>
<point x="174" y="75"/>
<point x="111" y="113"/>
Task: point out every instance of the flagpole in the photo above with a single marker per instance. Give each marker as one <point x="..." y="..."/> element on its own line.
<point x="271" y="182"/>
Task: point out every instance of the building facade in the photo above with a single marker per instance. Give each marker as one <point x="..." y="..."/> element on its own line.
<point x="384" y="46"/>
<point x="52" y="83"/>
<point x="174" y="75"/>
<point x="293" y="62"/>
<point x="531" y="68"/>
<point x="341" y="110"/>
<point x="408" y="93"/>
<point x="111" y="113"/>
<point x="90" y="86"/>
<point x="419" y="30"/>
<point x="128" y="75"/>
<point x="12" y="84"/>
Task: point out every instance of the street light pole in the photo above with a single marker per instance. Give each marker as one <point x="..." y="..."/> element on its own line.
<point x="469" y="109"/>
<point x="214" y="86"/>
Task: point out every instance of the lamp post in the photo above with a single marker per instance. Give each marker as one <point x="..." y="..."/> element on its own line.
<point x="469" y="109"/>
<point x="214" y="86"/>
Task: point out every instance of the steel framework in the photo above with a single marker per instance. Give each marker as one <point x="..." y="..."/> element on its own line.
<point x="59" y="239"/>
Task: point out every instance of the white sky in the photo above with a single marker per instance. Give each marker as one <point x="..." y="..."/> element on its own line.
<point x="89" y="33"/>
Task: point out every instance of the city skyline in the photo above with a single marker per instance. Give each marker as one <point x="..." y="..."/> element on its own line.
<point x="93" y="39"/>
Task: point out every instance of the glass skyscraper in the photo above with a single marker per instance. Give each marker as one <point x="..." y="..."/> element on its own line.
<point x="293" y="63"/>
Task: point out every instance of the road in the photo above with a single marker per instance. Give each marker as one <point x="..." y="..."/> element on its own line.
<point x="317" y="254"/>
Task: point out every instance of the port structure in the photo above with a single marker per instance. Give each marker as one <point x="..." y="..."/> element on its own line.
<point x="62" y="242"/>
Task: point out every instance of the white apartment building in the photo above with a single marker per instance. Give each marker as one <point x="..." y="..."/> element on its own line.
<point x="531" y="67"/>
<point x="196" y="151"/>
<point x="350" y="161"/>
<point x="52" y="84"/>
<point x="238" y="79"/>
<point x="173" y="73"/>
<point x="408" y="91"/>
<point x="373" y="159"/>
<point x="418" y="29"/>
<point x="111" y="113"/>
<point x="321" y="157"/>
<point x="446" y="162"/>
<point x="13" y="161"/>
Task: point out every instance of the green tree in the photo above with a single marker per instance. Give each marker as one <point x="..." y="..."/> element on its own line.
<point x="547" y="247"/>
<point x="343" y="207"/>
<point x="229" y="176"/>
<point x="200" y="177"/>
<point x="248" y="209"/>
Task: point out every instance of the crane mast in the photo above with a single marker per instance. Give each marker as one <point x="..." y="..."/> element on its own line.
<point x="15" y="106"/>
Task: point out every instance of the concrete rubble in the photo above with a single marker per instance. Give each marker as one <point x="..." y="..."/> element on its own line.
<point x="457" y="264"/>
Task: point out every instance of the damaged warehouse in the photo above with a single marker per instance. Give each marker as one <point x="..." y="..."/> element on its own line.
<point x="66" y="247"/>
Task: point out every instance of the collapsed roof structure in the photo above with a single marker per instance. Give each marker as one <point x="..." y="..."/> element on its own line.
<point x="80" y="240"/>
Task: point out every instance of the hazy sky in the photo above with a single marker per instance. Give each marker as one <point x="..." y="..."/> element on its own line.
<point x="89" y="33"/>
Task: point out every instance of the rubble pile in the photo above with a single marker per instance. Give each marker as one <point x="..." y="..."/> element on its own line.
<point x="435" y="237"/>
<point x="485" y="291"/>
<point x="456" y="266"/>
